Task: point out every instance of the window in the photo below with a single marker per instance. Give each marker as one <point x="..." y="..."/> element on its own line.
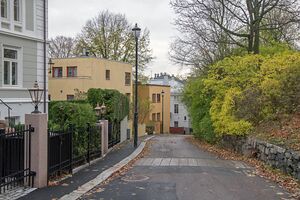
<point x="127" y="78"/>
<point x="13" y="121"/>
<point x="70" y="97"/>
<point x="128" y="95"/>
<point x="49" y="97"/>
<point x="71" y="71"/>
<point x="107" y="75"/>
<point x="158" y="116"/>
<point x="17" y="10"/>
<point x="184" y="118"/>
<point x="57" y="72"/>
<point x="158" y="98"/>
<point x="153" y="117"/>
<point x="176" y="125"/>
<point x="4" y="6"/>
<point x="176" y="108"/>
<point x="10" y="67"/>
<point x="153" y="98"/>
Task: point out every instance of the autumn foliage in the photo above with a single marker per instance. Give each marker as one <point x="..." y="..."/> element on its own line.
<point x="240" y="92"/>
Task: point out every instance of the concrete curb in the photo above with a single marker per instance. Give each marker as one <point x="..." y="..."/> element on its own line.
<point x="76" y="194"/>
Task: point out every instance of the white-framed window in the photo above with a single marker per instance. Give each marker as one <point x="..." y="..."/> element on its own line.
<point x="176" y="108"/>
<point x="4" y="9"/>
<point x="17" y="10"/>
<point x="11" y="67"/>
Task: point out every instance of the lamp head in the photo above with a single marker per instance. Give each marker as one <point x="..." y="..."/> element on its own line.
<point x="97" y="110"/>
<point x="36" y="94"/>
<point x="51" y="65"/>
<point x="136" y="31"/>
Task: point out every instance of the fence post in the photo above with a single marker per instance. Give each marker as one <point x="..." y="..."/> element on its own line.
<point x="104" y="136"/>
<point x="89" y="143"/>
<point x="39" y="150"/>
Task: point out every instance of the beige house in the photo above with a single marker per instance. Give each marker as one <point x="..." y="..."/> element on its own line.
<point x="159" y="97"/>
<point x="69" y="76"/>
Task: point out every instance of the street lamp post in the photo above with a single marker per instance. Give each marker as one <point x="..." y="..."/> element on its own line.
<point x="136" y="32"/>
<point x="36" y="94"/>
<point x="162" y="110"/>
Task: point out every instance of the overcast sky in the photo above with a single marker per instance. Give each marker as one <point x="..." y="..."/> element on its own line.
<point x="67" y="17"/>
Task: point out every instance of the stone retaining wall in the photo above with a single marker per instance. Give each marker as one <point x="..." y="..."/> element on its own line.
<point x="286" y="160"/>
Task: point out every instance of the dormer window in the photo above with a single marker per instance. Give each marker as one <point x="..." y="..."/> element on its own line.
<point x="4" y="8"/>
<point x="17" y="10"/>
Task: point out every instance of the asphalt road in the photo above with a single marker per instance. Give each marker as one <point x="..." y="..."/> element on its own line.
<point x="176" y="169"/>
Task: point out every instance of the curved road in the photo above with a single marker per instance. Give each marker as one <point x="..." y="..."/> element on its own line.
<point x="176" y="169"/>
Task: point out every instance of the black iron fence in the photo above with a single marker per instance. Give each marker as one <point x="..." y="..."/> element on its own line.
<point x="15" y="158"/>
<point x="72" y="147"/>
<point x="114" y="134"/>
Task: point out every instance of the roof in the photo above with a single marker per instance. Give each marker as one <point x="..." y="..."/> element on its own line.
<point x="91" y="57"/>
<point x="155" y="85"/>
<point x="162" y="76"/>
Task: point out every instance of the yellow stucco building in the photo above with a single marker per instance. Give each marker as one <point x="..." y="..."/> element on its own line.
<point x="159" y="97"/>
<point x="71" y="75"/>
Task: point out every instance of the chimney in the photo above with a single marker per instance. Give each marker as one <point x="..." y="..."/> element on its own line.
<point x="85" y="52"/>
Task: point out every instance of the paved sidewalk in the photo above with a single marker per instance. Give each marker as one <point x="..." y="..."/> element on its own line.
<point x="83" y="176"/>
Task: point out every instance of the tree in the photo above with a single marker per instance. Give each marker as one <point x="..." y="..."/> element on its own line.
<point x="240" y="22"/>
<point x="109" y="36"/>
<point x="61" y="47"/>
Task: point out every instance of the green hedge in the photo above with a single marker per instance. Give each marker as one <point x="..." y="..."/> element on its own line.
<point x="81" y="112"/>
<point x="63" y="114"/>
<point x="117" y="104"/>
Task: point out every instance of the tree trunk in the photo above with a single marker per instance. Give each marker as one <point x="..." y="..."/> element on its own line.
<point x="256" y="39"/>
<point x="250" y="41"/>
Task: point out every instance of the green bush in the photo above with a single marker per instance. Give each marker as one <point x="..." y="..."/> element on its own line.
<point x="241" y="91"/>
<point x="63" y="114"/>
<point x="117" y="104"/>
<point x="198" y="104"/>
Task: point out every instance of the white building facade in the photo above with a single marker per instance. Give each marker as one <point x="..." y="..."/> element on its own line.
<point x="23" y="35"/>
<point x="179" y="118"/>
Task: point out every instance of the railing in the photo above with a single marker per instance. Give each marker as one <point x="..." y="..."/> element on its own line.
<point x="114" y="134"/>
<point x="8" y="110"/>
<point x="72" y="147"/>
<point x="70" y="77"/>
<point x="15" y="158"/>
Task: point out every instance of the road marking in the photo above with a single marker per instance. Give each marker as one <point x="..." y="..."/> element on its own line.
<point x="157" y="162"/>
<point x="189" y="162"/>
<point x="165" y="162"/>
<point x="174" y="162"/>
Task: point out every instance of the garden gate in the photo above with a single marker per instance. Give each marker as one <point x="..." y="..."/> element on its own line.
<point x="15" y="158"/>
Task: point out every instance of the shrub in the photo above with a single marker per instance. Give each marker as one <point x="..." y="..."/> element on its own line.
<point x="241" y="91"/>
<point x="63" y="114"/>
<point x="117" y="104"/>
<point x="198" y="104"/>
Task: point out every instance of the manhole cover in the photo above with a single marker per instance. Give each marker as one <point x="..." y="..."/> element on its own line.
<point x="135" y="178"/>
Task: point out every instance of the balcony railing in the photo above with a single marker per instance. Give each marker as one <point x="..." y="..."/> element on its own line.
<point x="71" y="77"/>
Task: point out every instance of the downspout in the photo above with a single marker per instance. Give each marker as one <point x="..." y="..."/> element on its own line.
<point x="45" y="58"/>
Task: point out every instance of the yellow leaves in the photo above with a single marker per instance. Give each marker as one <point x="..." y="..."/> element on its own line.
<point x="276" y="78"/>
<point x="222" y="114"/>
